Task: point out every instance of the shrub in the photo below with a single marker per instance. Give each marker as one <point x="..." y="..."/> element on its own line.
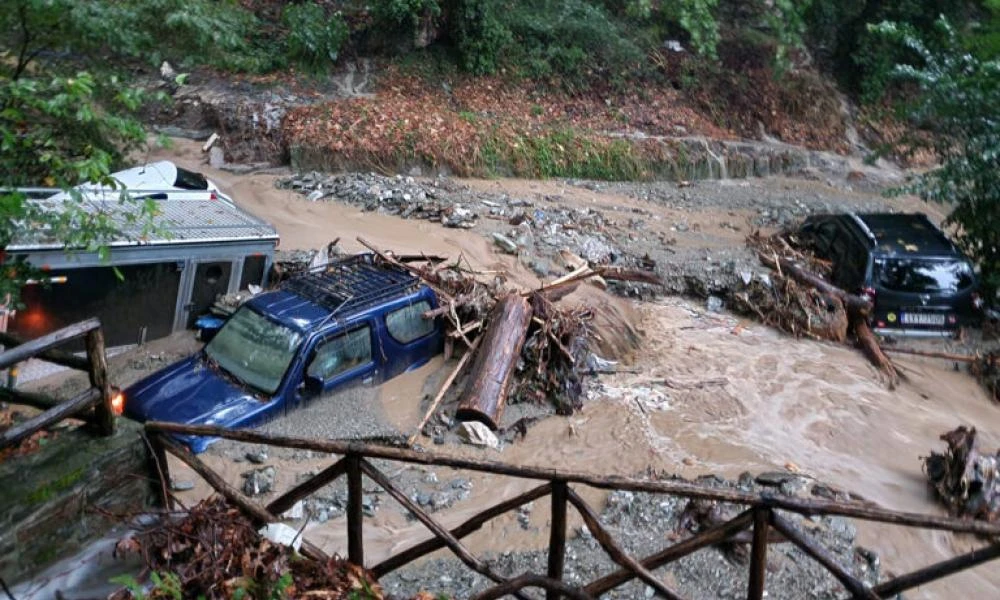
<point x="314" y="40"/>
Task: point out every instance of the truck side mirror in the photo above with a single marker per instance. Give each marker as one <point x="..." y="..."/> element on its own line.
<point x="313" y="385"/>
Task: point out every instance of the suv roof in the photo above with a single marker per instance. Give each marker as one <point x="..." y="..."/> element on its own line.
<point x="341" y="289"/>
<point x="905" y="233"/>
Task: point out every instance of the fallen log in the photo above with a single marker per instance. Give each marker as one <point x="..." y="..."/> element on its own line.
<point x="444" y="388"/>
<point x="856" y="305"/>
<point x="944" y="355"/>
<point x="868" y="343"/>
<point x="621" y="274"/>
<point x="492" y="370"/>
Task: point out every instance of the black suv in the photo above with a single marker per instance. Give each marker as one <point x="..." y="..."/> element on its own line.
<point x="917" y="279"/>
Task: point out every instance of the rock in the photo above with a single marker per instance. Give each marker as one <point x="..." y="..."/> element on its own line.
<point x="774" y="478"/>
<point x="258" y="481"/>
<point x="257" y="458"/>
<point x="842" y="528"/>
<point x="505" y="243"/>
<point x="477" y="434"/>
<point x="181" y="485"/>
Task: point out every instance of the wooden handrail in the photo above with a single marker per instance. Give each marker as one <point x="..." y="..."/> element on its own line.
<point x="453" y="544"/>
<point x="889" y="589"/>
<point x="59" y="357"/>
<point x="82" y="401"/>
<point x="817" y="553"/>
<point x="474" y="523"/>
<point x="761" y="514"/>
<point x="313" y="484"/>
<point x="9" y="358"/>
<point x="709" y="537"/>
<point x="676" y="488"/>
<point x="615" y="551"/>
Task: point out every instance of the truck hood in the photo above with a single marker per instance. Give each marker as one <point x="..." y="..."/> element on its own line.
<point x="192" y="391"/>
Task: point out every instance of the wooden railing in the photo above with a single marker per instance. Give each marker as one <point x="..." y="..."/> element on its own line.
<point x="98" y="395"/>
<point x="761" y="515"/>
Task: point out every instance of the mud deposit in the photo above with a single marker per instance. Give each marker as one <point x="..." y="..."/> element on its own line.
<point x="710" y="394"/>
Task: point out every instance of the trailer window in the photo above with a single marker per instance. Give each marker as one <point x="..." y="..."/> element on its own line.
<point x="408" y="323"/>
<point x="342" y="353"/>
<point x="254" y="349"/>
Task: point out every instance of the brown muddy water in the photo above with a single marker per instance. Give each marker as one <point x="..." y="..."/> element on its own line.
<point x="713" y="394"/>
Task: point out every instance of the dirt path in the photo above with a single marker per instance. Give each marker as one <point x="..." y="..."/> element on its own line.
<point x="739" y="397"/>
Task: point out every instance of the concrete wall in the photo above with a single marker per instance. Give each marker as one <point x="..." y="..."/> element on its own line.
<point x="54" y="501"/>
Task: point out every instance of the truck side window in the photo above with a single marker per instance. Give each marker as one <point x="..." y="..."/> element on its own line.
<point x="341" y="353"/>
<point x="408" y="324"/>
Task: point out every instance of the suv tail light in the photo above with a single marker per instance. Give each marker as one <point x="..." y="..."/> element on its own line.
<point x="977" y="301"/>
<point x="869" y="294"/>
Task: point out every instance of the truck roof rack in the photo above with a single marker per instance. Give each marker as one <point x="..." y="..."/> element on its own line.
<point x="352" y="284"/>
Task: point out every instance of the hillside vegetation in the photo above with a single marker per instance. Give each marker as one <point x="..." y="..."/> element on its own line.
<point x="529" y="87"/>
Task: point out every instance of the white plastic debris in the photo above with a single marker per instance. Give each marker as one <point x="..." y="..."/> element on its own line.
<point x="279" y="533"/>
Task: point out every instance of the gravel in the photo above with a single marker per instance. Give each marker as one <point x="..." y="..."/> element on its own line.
<point x="690" y="261"/>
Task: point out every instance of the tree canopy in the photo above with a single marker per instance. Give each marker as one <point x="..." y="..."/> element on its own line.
<point x="959" y="93"/>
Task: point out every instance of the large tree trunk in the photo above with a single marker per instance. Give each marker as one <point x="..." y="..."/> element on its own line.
<point x="491" y="372"/>
<point x="866" y="338"/>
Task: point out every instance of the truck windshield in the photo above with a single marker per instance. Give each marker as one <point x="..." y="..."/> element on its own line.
<point x="254" y="349"/>
<point x="924" y="275"/>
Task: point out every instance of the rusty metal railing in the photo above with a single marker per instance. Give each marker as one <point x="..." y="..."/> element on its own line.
<point x="759" y="517"/>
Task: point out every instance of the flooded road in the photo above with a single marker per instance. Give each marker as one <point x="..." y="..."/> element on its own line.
<point x="712" y="394"/>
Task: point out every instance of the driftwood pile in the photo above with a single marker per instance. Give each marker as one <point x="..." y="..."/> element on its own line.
<point x="798" y="298"/>
<point x="520" y="345"/>
<point x="215" y="552"/>
<point x="965" y="479"/>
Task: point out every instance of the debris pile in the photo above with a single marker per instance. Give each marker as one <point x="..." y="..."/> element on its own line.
<point x="523" y="346"/>
<point x="796" y="297"/>
<point x="987" y="370"/>
<point x="965" y="479"/>
<point x="399" y="196"/>
<point x="215" y="552"/>
<point x="534" y="231"/>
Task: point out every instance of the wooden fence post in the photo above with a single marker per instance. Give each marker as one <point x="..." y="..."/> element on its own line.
<point x="758" y="553"/>
<point x="557" y="535"/>
<point x="158" y="458"/>
<point x="98" y="372"/>
<point x="355" y="512"/>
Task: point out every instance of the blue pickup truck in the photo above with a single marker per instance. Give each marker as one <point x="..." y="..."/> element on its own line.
<point x="355" y="321"/>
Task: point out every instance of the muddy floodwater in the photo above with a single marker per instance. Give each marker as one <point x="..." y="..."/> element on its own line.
<point x="710" y="393"/>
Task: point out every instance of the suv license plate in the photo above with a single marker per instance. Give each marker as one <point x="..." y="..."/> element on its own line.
<point x="922" y="319"/>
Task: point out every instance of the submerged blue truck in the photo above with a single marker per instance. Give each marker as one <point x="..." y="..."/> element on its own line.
<point x="355" y="321"/>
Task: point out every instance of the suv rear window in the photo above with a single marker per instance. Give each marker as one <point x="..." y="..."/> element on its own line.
<point x="189" y="180"/>
<point x="408" y="323"/>
<point x="923" y="275"/>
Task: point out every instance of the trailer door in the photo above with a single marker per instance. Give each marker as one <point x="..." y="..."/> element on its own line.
<point x="210" y="280"/>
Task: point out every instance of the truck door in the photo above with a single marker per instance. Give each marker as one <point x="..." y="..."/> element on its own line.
<point x="347" y="356"/>
<point x="411" y="340"/>
<point x="210" y="280"/>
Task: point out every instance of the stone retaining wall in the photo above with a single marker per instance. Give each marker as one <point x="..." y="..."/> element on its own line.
<point x="57" y="499"/>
